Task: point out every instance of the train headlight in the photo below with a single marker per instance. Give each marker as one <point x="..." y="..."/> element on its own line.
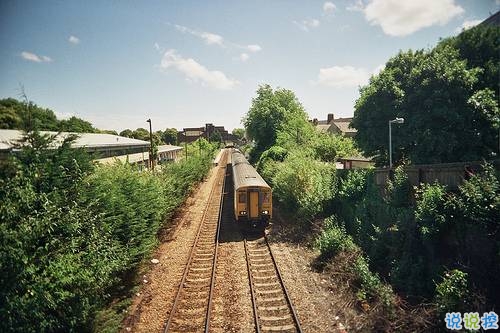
<point x="265" y="212"/>
<point x="243" y="212"/>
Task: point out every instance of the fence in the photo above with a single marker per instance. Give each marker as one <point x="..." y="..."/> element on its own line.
<point x="449" y="174"/>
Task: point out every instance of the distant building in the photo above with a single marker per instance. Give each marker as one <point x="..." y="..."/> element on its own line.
<point x="105" y="148"/>
<point x="194" y="133"/>
<point x="335" y="126"/>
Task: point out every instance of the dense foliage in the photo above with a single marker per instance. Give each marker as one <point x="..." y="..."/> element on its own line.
<point x="412" y="244"/>
<point x="72" y="232"/>
<point x="447" y="97"/>
<point x="14" y="115"/>
<point x="422" y="241"/>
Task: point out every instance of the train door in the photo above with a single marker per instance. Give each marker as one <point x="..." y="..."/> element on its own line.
<point x="254" y="205"/>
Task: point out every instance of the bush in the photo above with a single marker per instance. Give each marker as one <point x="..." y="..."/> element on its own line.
<point x="303" y="185"/>
<point x="371" y="287"/>
<point x="333" y="240"/>
<point x="430" y="213"/>
<point x="69" y="232"/>
<point x="452" y="291"/>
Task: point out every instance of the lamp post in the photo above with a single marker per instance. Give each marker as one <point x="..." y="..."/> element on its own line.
<point x="151" y="162"/>
<point x="396" y="121"/>
<point x="185" y="144"/>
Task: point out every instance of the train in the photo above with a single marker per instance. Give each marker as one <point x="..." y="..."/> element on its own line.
<point x="253" y="201"/>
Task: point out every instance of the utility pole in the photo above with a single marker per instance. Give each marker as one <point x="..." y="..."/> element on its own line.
<point x="396" y="121"/>
<point x="151" y="162"/>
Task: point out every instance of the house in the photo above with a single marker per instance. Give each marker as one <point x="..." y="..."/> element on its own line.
<point x="335" y="126"/>
<point x="209" y="130"/>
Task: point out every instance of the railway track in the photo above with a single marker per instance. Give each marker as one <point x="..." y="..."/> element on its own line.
<point x="272" y="307"/>
<point x="192" y="305"/>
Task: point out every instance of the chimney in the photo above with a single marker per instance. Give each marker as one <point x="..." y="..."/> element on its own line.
<point x="330" y="118"/>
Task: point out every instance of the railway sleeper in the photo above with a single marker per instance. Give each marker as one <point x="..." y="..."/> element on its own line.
<point x="259" y="258"/>
<point x="272" y="291"/>
<point x="262" y="265"/>
<point x="283" y="328"/>
<point x="273" y="308"/>
<point x="266" y="284"/>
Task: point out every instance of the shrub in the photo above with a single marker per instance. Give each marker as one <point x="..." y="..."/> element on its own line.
<point x="69" y="232"/>
<point x="303" y="185"/>
<point x="429" y="212"/>
<point x="451" y="292"/>
<point x="334" y="239"/>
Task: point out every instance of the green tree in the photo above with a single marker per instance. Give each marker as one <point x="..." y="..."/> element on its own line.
<point x="77" y="125"/>
<point x="141" y="134"/>
<point x="127" y="133"/>
<point x="479" y="46"/>
<point x="270" y="112"/>
<point x="9" y="118"/>
<point x="215" y="137"/>
<point x="169" y="136"/>
<point x="446" y="119"/>
<point x="239" y="132"/>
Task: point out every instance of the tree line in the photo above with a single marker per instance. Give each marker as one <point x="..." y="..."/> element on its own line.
<point x="448" y="96"/>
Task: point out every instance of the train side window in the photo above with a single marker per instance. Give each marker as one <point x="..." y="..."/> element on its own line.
<point x="242" y="197"/>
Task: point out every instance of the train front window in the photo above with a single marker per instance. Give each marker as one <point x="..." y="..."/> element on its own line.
<point x="265" y="197"/>
<point x="242" y="197"/>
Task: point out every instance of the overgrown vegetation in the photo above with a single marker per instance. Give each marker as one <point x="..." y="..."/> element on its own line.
<point x="421" y="243"/>
<point x="74" y="233"/>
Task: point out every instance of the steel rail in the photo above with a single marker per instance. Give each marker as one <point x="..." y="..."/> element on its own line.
<point x="192" y="251"/>
<point x="287" y="295"/>
<point x="214" y="267"/>
<point x="281" y="282"/>
<point x="252" y="291"/>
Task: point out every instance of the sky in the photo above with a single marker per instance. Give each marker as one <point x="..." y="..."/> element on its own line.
<point x="188" y="63"/>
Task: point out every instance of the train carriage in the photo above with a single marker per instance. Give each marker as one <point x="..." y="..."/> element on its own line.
<point x="252" y="195"/>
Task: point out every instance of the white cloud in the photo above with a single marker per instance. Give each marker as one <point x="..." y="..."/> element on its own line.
<point x="329" y="7"/>
<point x="401" y="18"/>
<point x="35" y="58"/>
<point x="306" y="25"/>
<point x="467" y="25"/>
<point x="244" y="57"/>
<point x="378" y="69"/>
<point x="214" y="39"/>
<point x="156" y="46"/>
<point x="208" y="37"/>
<point x="356" y="6"/>
<point x="343" y="76"/>
<point x="211" y="38"/>
<point x="196" y="72"/>
<point x="74" y="40"/>
<point x="254" y="48"/>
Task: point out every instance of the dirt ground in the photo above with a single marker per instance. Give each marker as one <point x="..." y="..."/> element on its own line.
<point x="320" y="308"/>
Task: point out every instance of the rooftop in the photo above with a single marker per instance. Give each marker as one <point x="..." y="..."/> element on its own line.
<point x="9" y="138"/>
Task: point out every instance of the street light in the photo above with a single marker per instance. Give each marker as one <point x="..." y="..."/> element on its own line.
<point x="151" y="163"/>
<point x="395" y="121"/>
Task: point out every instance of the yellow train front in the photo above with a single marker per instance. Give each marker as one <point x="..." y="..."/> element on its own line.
<point x="253" y="204"/>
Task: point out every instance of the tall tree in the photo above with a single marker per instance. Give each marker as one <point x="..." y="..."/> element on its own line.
<point x="239" y="132"/>
<point x="270" y="112"/>
<point x="127" y="133"/>
<point x="446" y="119"/>
<point x="141" y="134"/>
<point x="170" y="136"/>
<point x="77" y="125"/>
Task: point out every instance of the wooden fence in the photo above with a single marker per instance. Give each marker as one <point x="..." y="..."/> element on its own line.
<point x="449" y="174"/>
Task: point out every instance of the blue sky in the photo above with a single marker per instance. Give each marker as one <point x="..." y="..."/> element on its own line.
<point x="187" y="63"/>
